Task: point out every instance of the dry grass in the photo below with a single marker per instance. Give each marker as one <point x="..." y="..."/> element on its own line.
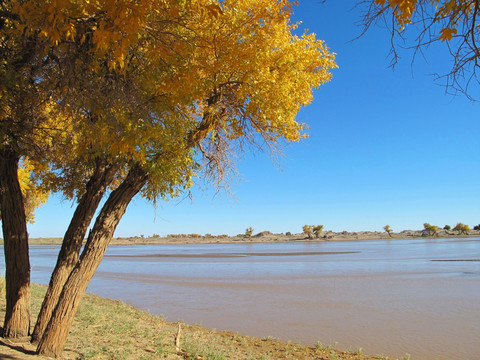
<point x="108" y="329"/>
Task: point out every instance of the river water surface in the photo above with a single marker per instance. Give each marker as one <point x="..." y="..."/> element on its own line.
<point x="392" y="297"/>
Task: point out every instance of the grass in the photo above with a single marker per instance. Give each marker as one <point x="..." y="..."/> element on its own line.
<point x="112" y="330"/>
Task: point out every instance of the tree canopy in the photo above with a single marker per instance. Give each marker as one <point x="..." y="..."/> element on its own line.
<point x="139" y="74"/>
<point x="461" y="228"/>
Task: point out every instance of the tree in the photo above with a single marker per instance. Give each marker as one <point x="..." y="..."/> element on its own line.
<point x="447" y="227"/>
<point x="152" y="94"/>
<point x="17" y="265"/>
<point x="454" y="23"/>
<point x="462" y="229"/>
<point x="388" y="229"/>
<point x="317" y="230"/>
<point x="308" y="230"/>
<point x="33" y="34"/>
<point x="429" y="230"/>
<point x="17" y="321"/>
<point x="476" y="227"/>
<point x="249" y="232"/>
<point x="23" y="102"/>
<point x="126" y="167"/>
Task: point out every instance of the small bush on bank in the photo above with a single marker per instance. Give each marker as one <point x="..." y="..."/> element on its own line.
<point x="461" y="228"/>
<point x="430" y="230"/>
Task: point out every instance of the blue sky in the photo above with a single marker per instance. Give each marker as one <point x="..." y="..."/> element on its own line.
<point x="385" y="147"/>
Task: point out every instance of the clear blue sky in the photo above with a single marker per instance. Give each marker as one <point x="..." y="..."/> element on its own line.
<point x="385" y="147"/>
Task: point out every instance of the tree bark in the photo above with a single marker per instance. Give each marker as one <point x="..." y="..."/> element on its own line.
<point x="72" y="242"/>
<point x="53" y="339"/>
<point x="15" y="236"/>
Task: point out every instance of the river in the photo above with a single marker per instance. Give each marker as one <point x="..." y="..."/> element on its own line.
<point x="392" y="297"/>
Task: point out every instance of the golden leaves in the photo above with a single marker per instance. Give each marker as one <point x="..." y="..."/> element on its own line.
<point x="154" y="70"/>
<point x="402" y="9"/>
<point x="33" y="194"/>
<point x="447" y="33"/>
<point x="252" y="46"/>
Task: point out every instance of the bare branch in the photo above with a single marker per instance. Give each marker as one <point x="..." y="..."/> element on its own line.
<point x="430" y="24"/>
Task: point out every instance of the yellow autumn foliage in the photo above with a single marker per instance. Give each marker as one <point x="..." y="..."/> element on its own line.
<point x="163" y="84"/>
<point x="34" y="196"/>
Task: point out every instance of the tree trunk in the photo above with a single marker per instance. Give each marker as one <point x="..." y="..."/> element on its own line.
<point x="15" y="236"/>
<point x="53" y="339"/>
<point x="72" y="242"/>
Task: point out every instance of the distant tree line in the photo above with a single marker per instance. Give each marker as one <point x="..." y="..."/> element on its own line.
<point x="460" y="228"/>
<point x="315" y="231"/>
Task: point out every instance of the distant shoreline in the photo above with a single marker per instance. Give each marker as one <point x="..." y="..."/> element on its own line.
<point x="266" y="237"/>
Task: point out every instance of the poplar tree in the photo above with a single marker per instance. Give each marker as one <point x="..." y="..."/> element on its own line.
<point x="140" y="98"/>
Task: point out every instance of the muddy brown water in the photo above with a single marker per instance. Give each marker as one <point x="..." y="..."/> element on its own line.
<point x="392" y="297"/>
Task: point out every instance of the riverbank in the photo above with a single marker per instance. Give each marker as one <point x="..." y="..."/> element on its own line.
<point x="108" y="329"/>
<point x="265" y="237"/>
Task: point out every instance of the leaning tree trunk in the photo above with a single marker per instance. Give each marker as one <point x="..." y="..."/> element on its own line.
<point x="15" y="236"/>
<point x="55" y="334"/>
<point x="72" y="242"/>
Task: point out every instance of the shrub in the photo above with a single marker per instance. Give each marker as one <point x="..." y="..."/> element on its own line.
<point x="288" y="233"/>
<point x="308" y="230"/>
<point x="447" y="227"/>
<point x="317" y="230"/>
<point x="461" y="228"/>
<point x="476" y="227"/>
<point x="249" y="232"/>
<point x="429" y="230"/>
<point x="388" y="229"/>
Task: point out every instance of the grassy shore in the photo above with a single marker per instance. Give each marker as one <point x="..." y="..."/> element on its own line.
<point x="108" y="329"/>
